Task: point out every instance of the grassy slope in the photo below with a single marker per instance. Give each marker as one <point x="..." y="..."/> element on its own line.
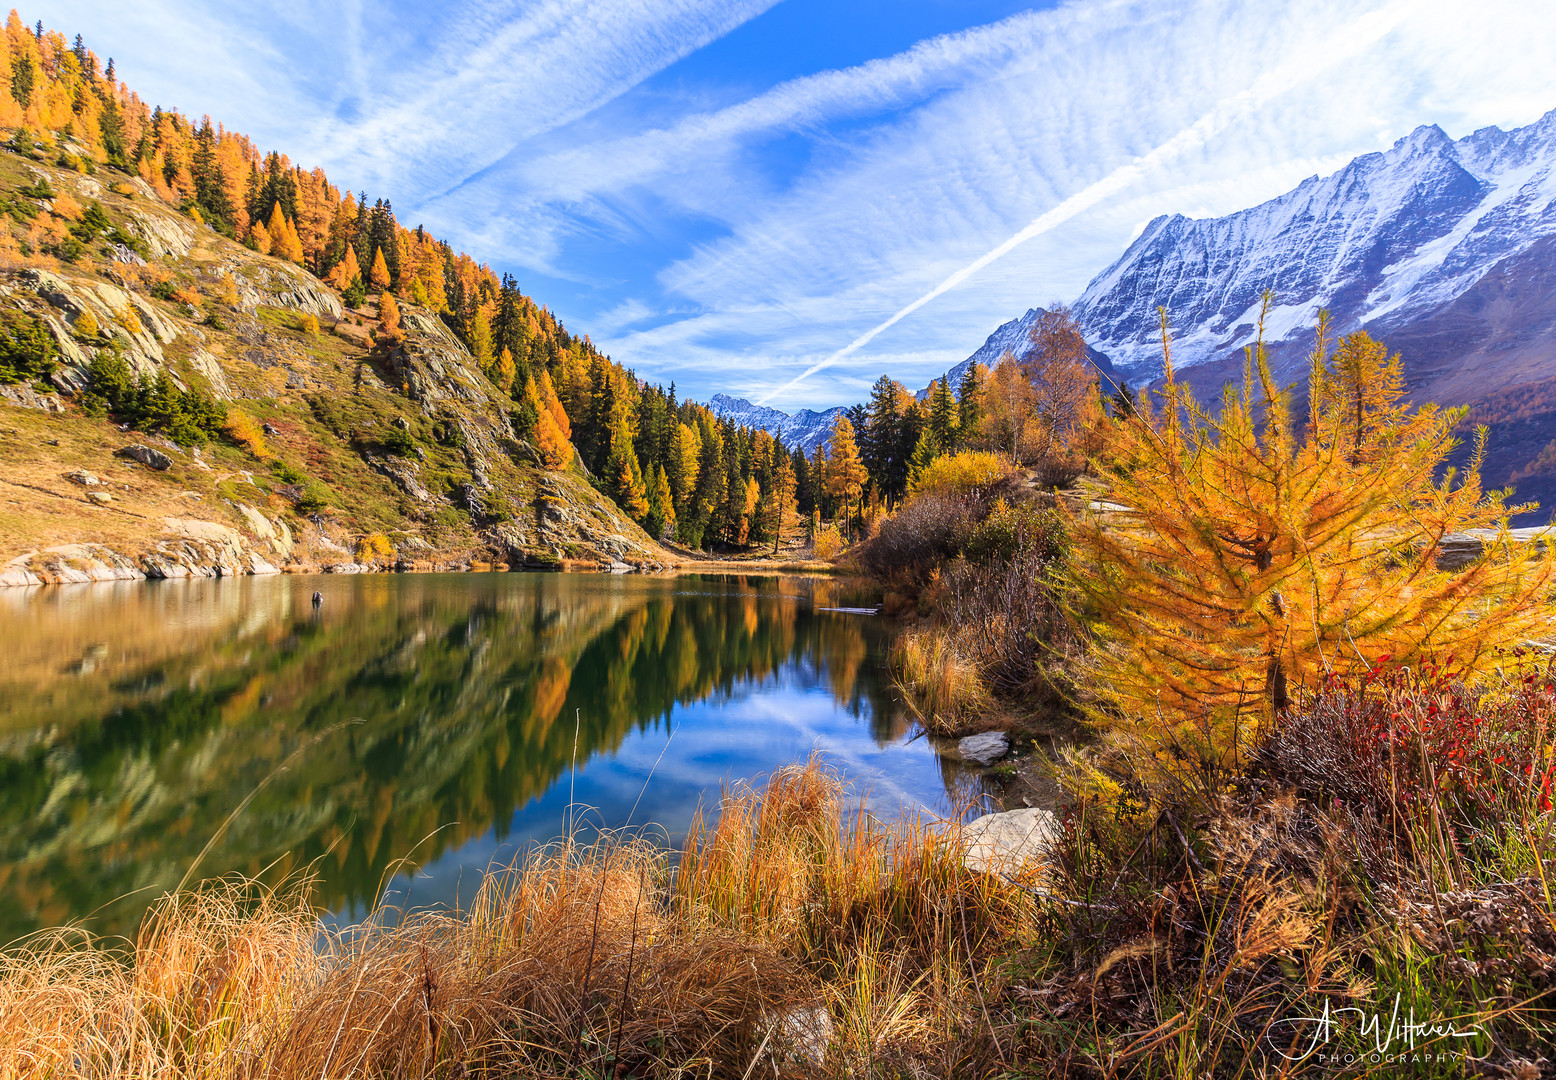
<point x="328" y="396"/>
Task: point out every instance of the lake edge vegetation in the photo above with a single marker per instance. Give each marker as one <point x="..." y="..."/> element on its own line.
<point x="1276" y="825"/>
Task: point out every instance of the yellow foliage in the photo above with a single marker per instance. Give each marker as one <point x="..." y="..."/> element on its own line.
<point x="66" y="207"/>
<point x="308" y="324"/>
<point x="828" y="542"/>
<point x="227" y="290"/>
<point x="128" y="319"/>
<point x="389" y="317"/>
<point x="969" y="473"/>
<point x="1257" y="558"/>
<point x="86" y="326"/>
<point x="374" y="546"/>
<point x="242" y="429"/>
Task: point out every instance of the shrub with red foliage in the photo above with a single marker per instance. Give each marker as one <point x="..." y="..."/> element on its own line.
<point x="1402" y="740"/>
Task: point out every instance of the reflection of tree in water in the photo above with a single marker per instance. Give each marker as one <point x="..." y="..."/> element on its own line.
<point x="468" y="689"/>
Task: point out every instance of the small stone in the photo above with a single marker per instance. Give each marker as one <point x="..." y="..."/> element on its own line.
<point x="270" y="429"/>
<point x="147" y="456"/>
<point x="102" y="498"/>
<point x="82" y="477"/>
<point x="984" y="749"/>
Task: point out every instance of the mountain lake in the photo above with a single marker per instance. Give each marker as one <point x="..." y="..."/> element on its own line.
<point x="411" y="731"/>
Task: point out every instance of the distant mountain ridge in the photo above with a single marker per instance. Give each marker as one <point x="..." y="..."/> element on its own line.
<point x="1444" y="249"/>
<point x="1383" y="243"/>
<point x="806" y="429"/>
<point x="1015" y="337"/>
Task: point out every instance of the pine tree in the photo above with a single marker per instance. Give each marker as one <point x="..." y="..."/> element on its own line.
<point x="378" y="276"/>
<point x="969" y="401"/>
<point x="924" y="454"/>
<point x="661" y="506"/>
<point x="942" y="416"/>
<point x="623" y="473"/>
<point x="526" y="417"/>
<point x="1255" y="561"/>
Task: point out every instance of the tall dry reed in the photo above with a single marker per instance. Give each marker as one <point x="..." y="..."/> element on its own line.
<point x="793" y="936"/>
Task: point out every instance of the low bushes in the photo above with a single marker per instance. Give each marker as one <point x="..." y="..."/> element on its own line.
<point x="973" y="474"/>
<point x="1387" y="852"/>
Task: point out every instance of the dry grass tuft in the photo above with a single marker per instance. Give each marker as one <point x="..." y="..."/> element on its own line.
<point x="793" y="936"/>
<point x="945" y="685"/>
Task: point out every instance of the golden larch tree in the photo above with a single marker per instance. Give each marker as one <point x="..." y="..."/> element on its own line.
<point x="845" y="471"/>
<point x="1254" y="561"/>
<point x="378" y="276"/>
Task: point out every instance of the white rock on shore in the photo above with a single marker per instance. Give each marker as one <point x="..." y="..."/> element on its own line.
<point x="1003" y="843"/>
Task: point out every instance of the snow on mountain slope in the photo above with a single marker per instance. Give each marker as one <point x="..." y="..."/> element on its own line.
<point x="1015" y="338"/>
<point x="1385" y="241"/>
<point x="805" y="429"/>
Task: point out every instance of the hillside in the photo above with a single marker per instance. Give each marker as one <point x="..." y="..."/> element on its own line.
<point x="397" y="454"/>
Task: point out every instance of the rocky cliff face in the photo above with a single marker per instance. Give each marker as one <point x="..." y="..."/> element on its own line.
<point x="372" y="456"/>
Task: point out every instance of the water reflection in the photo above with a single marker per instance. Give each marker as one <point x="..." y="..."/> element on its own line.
<point x="134" y="718"/>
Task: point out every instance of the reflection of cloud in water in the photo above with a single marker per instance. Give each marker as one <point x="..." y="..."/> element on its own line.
<point x="758" y="726"/>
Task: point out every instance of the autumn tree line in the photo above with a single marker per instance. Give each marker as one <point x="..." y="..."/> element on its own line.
<point x="672" y="465"/>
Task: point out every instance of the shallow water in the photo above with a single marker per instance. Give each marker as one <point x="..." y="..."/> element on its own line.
<point x="412" y="730"/>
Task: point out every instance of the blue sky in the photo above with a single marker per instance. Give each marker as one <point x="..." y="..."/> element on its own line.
<point x="785" y="198"/>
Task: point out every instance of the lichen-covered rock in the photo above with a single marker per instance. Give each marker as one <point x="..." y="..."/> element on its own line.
<point x="148" y="456"/>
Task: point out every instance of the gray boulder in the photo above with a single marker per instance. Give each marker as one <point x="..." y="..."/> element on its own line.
<point x="984" y="749"/>
<point x="147" y="456"/>
<point x="1003" y="843"/>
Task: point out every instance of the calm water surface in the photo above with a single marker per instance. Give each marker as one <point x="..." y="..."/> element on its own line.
<point x="442" y="720"/>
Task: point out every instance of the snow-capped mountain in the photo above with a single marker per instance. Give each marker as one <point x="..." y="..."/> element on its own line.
<point x="805" y="429"/>
<point x="1385" y="242"/>
<point x="1015" y="338"/>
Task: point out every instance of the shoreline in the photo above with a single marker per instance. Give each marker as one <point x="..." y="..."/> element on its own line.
<point x="85" y="564"/>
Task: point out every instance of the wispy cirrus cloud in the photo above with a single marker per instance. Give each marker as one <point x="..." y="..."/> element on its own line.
<point x="731" y="236"/>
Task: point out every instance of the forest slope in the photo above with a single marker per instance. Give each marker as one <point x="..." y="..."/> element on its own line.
<point x="407" y="440"/>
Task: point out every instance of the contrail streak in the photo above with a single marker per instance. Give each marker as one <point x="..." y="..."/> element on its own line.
<point x="1296" y="70"/>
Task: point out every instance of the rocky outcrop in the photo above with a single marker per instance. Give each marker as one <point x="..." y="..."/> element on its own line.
<point x="148" y="456"/>
<point x="165" y="235"/>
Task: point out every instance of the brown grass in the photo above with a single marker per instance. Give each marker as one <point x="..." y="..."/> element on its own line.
<point x="792" y="938"/>
<point x="939" y="679"/>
